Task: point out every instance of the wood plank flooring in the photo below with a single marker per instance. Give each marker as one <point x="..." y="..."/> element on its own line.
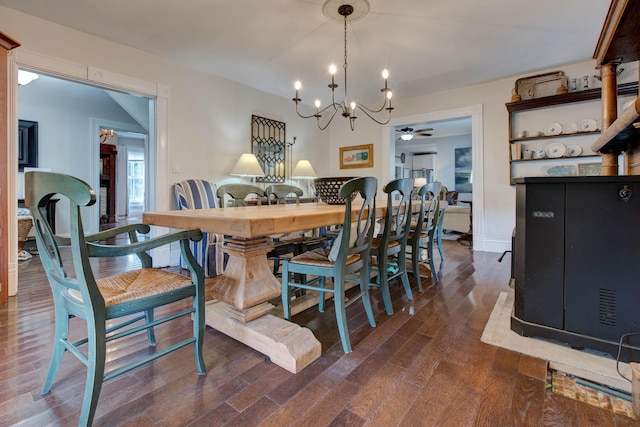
<point x="423" y="366"/>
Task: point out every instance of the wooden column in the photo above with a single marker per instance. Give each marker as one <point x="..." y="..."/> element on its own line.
<point x="6" y="44"/>
<point x="609" y="76"/>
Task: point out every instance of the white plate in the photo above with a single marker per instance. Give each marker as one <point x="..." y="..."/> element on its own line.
<point x="570" y="128"/>
<point x="588" y="125"/>
<point x="573" y="150"/>
<point x="553" y="129"/>
<point x="555" y="150"/>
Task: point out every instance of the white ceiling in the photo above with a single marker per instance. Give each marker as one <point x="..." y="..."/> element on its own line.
<point x="427" y="45"/>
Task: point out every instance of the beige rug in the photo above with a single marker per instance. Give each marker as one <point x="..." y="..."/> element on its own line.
<point x="592" y="366"/>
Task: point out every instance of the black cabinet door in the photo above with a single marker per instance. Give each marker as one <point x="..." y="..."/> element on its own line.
<point x="602" y="273"/>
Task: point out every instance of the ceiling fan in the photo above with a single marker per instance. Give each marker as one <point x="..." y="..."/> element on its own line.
<point x="407" y="133"/>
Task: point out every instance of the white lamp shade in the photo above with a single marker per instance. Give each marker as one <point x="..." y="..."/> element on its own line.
<point x="406" y="136"/>
<point x="304" y="170"/>
<point x="247" y="165"/>
<point x="419" y="182"/>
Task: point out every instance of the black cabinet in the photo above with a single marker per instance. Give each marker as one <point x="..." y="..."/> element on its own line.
<point x="577" y="260"/>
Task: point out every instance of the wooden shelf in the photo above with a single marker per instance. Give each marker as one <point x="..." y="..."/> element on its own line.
<point x="567" y="98"/>
<point x="622" y="134"/>
<point x="562" y="135"/>
<point x="546" y="159"/>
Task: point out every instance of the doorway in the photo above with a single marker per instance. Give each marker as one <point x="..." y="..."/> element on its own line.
<point x="72" y="160"/>
<point x="475" y="113"/>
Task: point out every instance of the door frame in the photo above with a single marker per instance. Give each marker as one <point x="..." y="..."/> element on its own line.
<point x="477" y="143"/>
<point x="84" y="73"/>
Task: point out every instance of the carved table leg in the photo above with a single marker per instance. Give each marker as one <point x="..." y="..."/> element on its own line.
<point x="241" y="312"/>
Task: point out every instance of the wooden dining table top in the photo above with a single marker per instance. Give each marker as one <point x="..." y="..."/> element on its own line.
<point x="256" y="221"/>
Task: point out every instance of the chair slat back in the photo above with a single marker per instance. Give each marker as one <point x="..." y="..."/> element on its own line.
<point x="277" y="193"/>
<point x="427" y="216"/>
<point x="39" y="188"/>
<point x="366" y="187"/>
<point x="397" y="220"/>
<point x="238" y="193"/>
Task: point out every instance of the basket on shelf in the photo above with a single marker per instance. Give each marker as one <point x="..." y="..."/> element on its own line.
<point x="328" y="189"/>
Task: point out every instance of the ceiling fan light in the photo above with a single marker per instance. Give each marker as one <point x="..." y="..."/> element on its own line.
<point x="406" y="136"/>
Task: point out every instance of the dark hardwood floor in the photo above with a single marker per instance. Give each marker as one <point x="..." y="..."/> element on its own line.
<point x="423" y="366"/>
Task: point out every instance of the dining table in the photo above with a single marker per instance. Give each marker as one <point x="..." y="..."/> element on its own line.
<point x="242" y="308"/>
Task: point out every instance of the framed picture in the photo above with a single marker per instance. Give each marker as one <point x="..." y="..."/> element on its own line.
<point x="559" y="170"/>
<point x="358" y="156"/>
<point x="463" y="169"/>
<point x="27" y="144"/>
<point x="590" y="169"/>
<point x="269" y="146"/>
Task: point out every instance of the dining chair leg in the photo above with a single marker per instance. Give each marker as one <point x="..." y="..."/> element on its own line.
<point x="415" y="265"/>
<point x="322" y="284"/>
<point x="366" y="297"/>
<point x="432" y="264"/>
<point x="383" y="281"/>
<point x="61" y="333"/>
<point x="95" y="370"/>
<point x="286" y="308"/>
<point x="404" y="277"/>
<point x="198" y="332"/>
<point x="151" y="336"/>
<point x="341" y="314"/>
<point x="439" y="240"/>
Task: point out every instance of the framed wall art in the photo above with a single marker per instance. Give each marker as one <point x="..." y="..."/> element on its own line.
<point x="357" y="156"/>
<point x="269" y="146"/>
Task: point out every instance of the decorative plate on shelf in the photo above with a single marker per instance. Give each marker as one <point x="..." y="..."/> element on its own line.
<point x="574" y="150"/>
<point x="555" y="150"/>
<point x="553" y="129"/>
<point x="588" y="125"/>
<point x="570" y="128"/>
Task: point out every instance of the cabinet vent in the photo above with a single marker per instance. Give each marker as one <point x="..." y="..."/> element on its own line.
<point x="607" y="309"/>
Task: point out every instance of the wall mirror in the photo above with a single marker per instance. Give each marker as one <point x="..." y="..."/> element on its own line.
<point x="269" y="146"/>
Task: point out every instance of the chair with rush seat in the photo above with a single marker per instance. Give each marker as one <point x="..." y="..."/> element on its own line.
<point x="423" y="230"/>
<point x="389" y="249"/>
<point x="348" y="255"/>
<point x="112" y="307"/>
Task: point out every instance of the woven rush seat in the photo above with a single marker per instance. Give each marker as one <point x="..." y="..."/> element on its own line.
<point x="134" y="285"/>
<point x="375" y="243"/>
<point x="320" y="258"/>
<point x="422" y="235"/>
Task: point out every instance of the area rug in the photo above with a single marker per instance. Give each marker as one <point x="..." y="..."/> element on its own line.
<point x="590" y="365"/>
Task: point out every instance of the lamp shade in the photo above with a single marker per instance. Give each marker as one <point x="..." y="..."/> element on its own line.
<point x="406" y="136"/>
<point x="419" y="182"/>
<point x="247" y="165"/>
<point x="304" y="170"/>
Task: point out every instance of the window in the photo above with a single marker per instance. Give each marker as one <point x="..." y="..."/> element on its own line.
<point x="135" y="176"/>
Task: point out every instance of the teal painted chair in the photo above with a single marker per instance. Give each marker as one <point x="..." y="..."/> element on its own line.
<point x="388" y="251"/>
<point x="423" y="230"/>
<point x="201" y="194"/>
<point x="277" y="194"/>
<point x="236" y="194"/>
<point x="112" y="300"/>
<point x="348" y="255"/>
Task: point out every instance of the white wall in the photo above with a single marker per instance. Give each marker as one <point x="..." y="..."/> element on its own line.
<point x="209" y="117"/>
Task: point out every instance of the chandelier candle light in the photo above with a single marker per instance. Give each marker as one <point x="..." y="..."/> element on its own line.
<point x="345" y="11"/>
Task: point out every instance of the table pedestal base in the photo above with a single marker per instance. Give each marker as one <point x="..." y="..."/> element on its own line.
<point x="288" y="345"/>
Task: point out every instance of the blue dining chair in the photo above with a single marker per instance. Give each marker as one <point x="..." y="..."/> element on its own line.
<point x="348" y="255"/>
<point x="423" y="232"/>
<point x="388" y="250"/>
<point x="201" y="194"/>
<point x="112" y="307"/>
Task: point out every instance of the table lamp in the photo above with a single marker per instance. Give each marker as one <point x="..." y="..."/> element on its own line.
<point x="419" y="182"/>
<point x="247" y="165"/>
<point x="304" y="170"/>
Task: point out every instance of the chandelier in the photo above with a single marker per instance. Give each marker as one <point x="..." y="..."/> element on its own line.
<point x="347" y="111"/>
